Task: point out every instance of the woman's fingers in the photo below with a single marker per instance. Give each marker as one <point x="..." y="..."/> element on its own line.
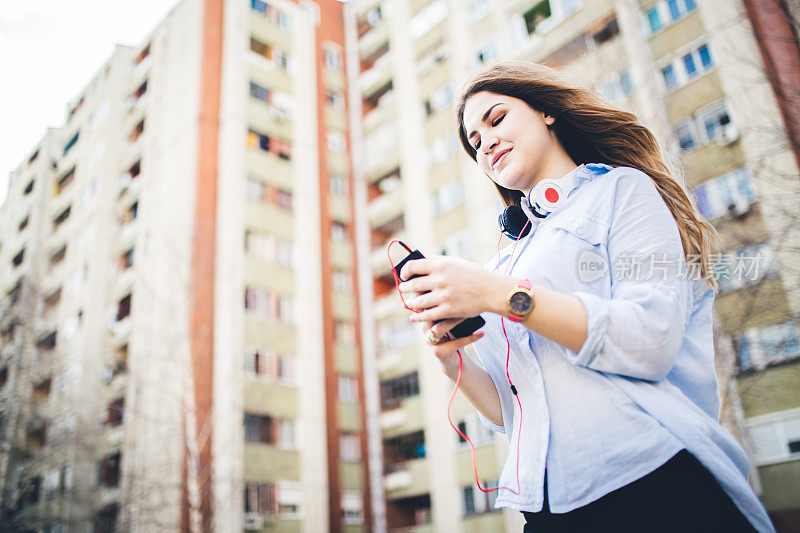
<point x="439" y="329"/>
<point x="446" y="348"/>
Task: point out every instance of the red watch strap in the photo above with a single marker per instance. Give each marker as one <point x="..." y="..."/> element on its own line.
<point x="526" y="284"/>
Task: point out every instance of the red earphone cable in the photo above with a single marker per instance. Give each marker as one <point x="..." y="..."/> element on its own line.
<point x="461" y="364"/>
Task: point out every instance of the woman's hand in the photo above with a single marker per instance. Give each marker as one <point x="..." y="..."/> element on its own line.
<point x="451" y="288"/>
<point x="445" y="347"/>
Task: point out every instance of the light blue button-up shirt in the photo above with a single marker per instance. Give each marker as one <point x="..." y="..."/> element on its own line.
<point x="643" y="386"/>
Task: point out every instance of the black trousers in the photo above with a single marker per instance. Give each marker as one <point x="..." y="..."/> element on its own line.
<point x="680" y="496"/>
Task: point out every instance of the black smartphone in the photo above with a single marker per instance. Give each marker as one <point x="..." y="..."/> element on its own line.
<point x="463" y="329"/>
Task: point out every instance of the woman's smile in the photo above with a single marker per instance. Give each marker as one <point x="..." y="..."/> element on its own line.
<point x="503" y="156"/>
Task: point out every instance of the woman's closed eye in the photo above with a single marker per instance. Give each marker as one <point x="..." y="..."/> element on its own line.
<point x="495" y="123"/>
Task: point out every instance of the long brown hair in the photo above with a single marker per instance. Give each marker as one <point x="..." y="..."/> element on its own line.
<point x="593" y="132"/>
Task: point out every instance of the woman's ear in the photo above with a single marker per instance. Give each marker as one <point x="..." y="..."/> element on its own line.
<point x="549" y="120"/>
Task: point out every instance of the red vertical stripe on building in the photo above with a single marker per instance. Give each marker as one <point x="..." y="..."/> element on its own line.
<point x="778" y="44"/>
<point x="203" y="256"/>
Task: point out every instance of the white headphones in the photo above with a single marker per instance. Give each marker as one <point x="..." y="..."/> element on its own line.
<point x="547" y="195"/>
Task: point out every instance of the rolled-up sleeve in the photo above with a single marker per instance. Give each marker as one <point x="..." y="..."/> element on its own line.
<point x="490" y="425"/>
<point x="639" y="331"/>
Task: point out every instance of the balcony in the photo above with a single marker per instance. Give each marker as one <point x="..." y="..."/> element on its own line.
<point x="378" y="75"/>
<point x="406" y="418"/>
<point x="269" y="119"/>
<point x="382" y="114"/>
<point x="121" y="330"/>
<point x="373" y="40"/>
<point x="389" y="307"/>
<point x="411" y="479"/>
<point x="276" y="170"/>
<point x="266" y="30"/>
<point x="386" y="208"/>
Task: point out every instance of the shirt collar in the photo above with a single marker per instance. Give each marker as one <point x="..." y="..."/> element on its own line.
<point x="581" y="174"/>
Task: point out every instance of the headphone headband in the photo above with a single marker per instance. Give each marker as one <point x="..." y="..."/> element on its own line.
<point x="542" y="200"/>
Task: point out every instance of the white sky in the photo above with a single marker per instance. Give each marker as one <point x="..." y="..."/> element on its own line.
<point x="49" y="50"/>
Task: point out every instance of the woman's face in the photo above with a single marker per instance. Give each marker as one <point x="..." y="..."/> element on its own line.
<point x="512" y="142"/>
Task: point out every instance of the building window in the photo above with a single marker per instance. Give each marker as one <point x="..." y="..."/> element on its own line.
<point x="535" y="15"/>
<point x="667" y="12"/>
<point x="344" y="333"/>
<point x="70" y="143"/>
<point x="759" y="347"/>
<point x="486" y="53"/>
<point x="270" y="365"/>
<point x="287" y="434"/>
<point x="143" y="54"/>
<point x="290" y="499"/>
<point x="352" y="507"/>
<point x="260" y="498"/>
<point x="335" y="99"/>
<point x="618" y="87"/>
<point x="284" y="252"/>
<point x="477" y="9"/>
<point x="428" y="17"/>
<point x="439" y="100"/>
<point x="258" y="429"/>
<point x="333" y="57"/>
<point x="473" y="428"/>
<point x="728" y="195"/>
<point x="349" y="447"/>
<point x="448" y="197"/>
<point x="338" y="232"/>
<point x="61" y="217"/>
<point x="64" y="181"/>
<point x="140" y="91"/>
<point x="394" y="391"/>
<point x="260" y="244"/>
<point x="126" y="260"/>
<point x="654" y="19"/>
<point x="342" y="281"/>
<point x="115" y="412"/>
<point x="124" y="308"/>
<point x="715" y="121"/>
<point x="681" y="71"/>
<point x="442" y="147"/>
<point x="131" y="213"/>
<point x="670" y="80"/>
<point x="136" y="132"/>
<point x="747" y="266"/>
<point x="338" y="184"/>
<point x="347" y="388"/>
<point x="396" y="335"/>
<point x="398" y="450"/>
<point x="336" y="142"/>
<point x="476" y="501"/>
<point x="775" y="437"/>
<point x="108" y="471"/>
<point x="283" y="198"/>
<point x="687" y="135"/>
<point x="259" y="93"/>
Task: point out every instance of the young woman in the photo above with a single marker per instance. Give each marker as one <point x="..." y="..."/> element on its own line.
<point x="601" y="313"/>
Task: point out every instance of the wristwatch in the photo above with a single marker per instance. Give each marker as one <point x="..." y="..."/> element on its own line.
<point x="520" y="301"/>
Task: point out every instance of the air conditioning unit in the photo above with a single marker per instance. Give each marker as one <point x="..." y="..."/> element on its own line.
<point x="728" y="134"/>
<point x="253" y="521"/>
<point x="278" y="113"/>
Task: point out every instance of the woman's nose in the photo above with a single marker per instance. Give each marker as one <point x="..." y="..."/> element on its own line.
<point x="491" y="143"/>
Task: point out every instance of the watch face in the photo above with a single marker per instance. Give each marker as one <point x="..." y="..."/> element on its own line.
<point x="520" y="302"/>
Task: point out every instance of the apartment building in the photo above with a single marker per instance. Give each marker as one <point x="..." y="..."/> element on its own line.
<point x="180" y="339"/>
<point x="692" y="72"/>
